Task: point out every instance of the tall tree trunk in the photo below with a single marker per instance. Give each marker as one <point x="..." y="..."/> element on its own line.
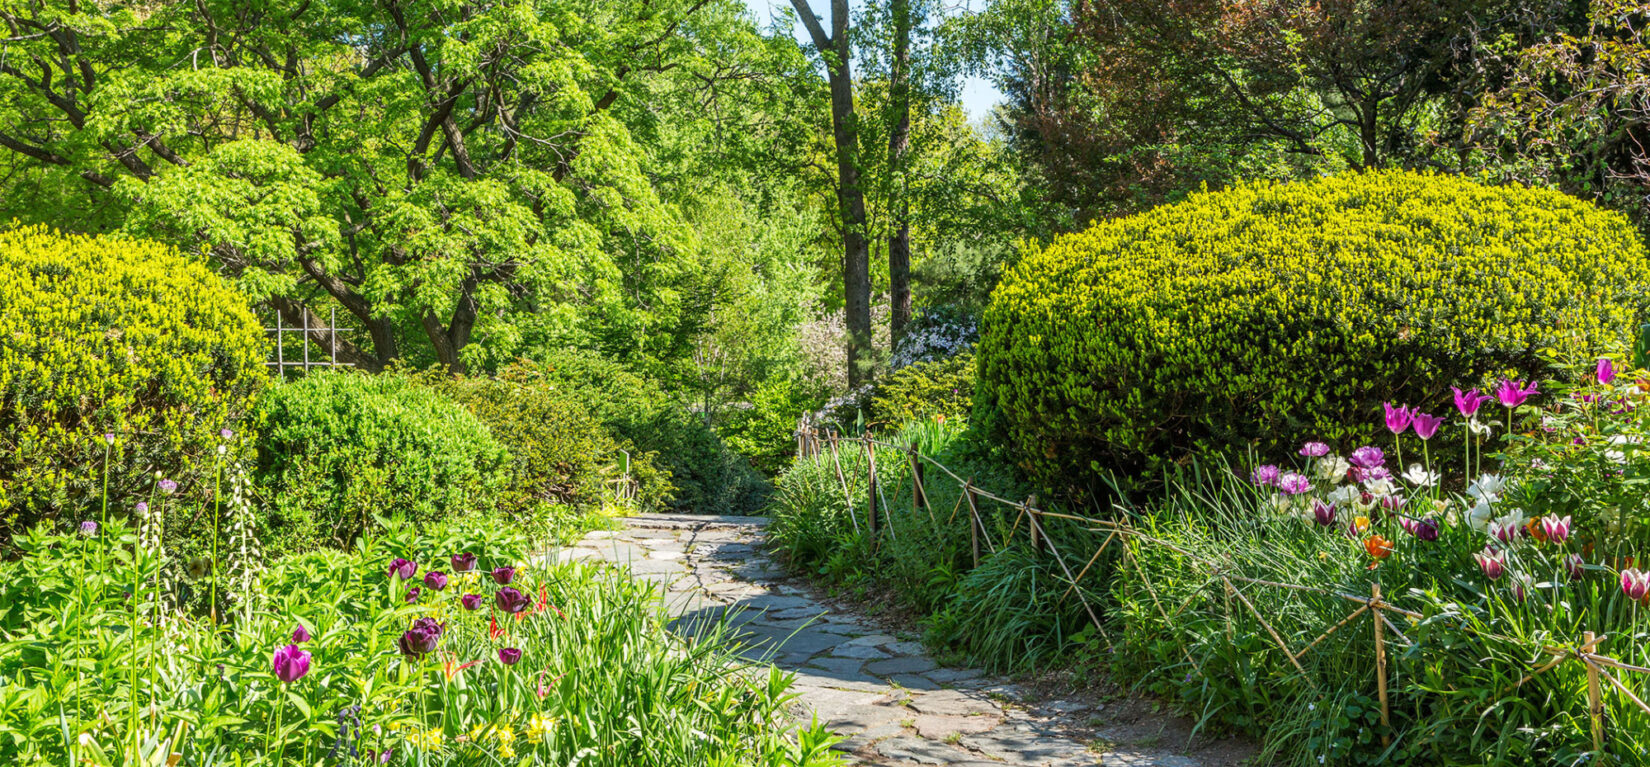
<point x="856" y="252"/>
<point x="899" y="144"/>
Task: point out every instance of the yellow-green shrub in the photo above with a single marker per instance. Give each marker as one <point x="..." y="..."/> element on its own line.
<point x="1272" y="313"/>
<point x="922" y="391"/>
<point x="122" y="337"/>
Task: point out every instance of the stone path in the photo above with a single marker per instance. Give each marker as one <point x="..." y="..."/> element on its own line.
<point x="891" y="701"/>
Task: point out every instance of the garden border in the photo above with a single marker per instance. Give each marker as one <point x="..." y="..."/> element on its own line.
<point x="811" y="444"/>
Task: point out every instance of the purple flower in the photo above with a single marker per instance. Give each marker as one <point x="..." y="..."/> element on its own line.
<point x="1557" y="529"/>
<point x="1605" y="371"/>
<point x="1492" y="562"/>
<point x="1323" y="512"/>
<point x="1314" y="450"/>
<point x="1469" y="401"/>
<point x="1265" y="476"/>
<point x="1506" y="533"/>
<point x="412" y="594"/>
<point x="1576" y="566"/>
<point x="226" y="434"/>
<point x="435" y="580"/>
<point x="1427" y="425"/>
<point x="503" y="575"/>
<point x="109" y="438"/>
<point x="471" y="601"/>
<point x="1398" y="418"/>
<point x="1367" y="457"/>
<point x="463" y="563"/>
<point x="1294" y="484"/>
<point x="168" y="487"/>
<point x="421" y="639"/>
<point x="1512" y="393"/>
<point x="1635" y="583"/>
<point x="1422" y="529"/>
<point x="291" y="663"/>
<point x="403" y="569"/>
<point x="509" y="655"/>
<point x="88" y="528"/>
<point x="142" y="507"/>
<point x="511" y="601"/>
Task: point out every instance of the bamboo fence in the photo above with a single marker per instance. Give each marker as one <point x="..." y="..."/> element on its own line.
<point x="811" y="443"/>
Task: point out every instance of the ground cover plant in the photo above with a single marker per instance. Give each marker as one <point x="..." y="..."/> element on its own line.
<point x="443" y="646"/>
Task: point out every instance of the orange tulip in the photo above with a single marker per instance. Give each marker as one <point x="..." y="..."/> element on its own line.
<point x="1378" y="547"/>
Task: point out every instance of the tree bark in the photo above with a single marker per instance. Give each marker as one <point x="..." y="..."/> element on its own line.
<point x="899" y="145"/>
<point x="856" y="252"/>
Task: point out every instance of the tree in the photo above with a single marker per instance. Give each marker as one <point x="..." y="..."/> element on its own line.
<point x="450" y="173"/>
<point x="836" y="54"/>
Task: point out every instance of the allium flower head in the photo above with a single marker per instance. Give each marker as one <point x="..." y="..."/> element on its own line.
<point x="226" y="434"/>
<point x="1314" y="450"/>
<point x="109" y="438"/>
<point x="1398" y="418"/>
<point x="290" y="663"/>
<point x="88" y="528"/>
<point x="1512" y="393"/>
<point x="168" y="487"/>
<point x="1368" y="457"/>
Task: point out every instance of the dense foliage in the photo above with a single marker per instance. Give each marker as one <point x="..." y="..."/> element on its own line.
<point x="942" y="389"/>
<point x="705" y="475"/>
<point x="1251" y="316"/>
<point x="565" y="664"/>
<point x="103" y="340"/>
<point x="561" y="454"/>
<point x="345" y="449"/>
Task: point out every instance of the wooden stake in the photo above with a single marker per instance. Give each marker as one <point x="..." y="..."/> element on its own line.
<point x="1380" y="661"/>
<point x="974" y="531"/>
<point x="1036" y="530"/>
<point x="871" y="509"/>
<point x="919" y="494"/>
<point x="847" y="497"/>
<point x="1595" y="704"/>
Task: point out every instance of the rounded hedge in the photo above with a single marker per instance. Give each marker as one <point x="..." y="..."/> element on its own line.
<point x="104" y="336"/>
<point x="340" y="449"/>
<point x="1271" y="313"/>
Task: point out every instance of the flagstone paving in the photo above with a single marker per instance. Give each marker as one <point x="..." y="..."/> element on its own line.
<point x="894" y="705"/>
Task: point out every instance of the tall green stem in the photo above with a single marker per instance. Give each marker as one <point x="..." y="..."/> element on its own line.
<point x="217" y="486"/>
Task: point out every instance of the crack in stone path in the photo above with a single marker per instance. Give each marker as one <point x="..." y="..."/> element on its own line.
<point x="894" y="705"/>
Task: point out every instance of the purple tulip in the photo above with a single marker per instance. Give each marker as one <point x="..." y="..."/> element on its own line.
<point x="413" y="594"/>
<point x="435" y="580"/>
<point x="1469" y="401"/>
<point x="1576" y="566"/>
<point x="1367" y="457"/>
<point x="471" y="601"/>
<point x="88" y="528"/>
<point x="403" y="569"/>
<point x="1398" y="418"/>
<point x="1492" y="562"/>
<point x="291" y="663"/>
<point x="1314" y="450"/>
<point x="1294" y="484"/>
<point x="168" y="487"/>
<point x="1427" y="530"/>
<point x="1427" y="425"/>
<point x="1635" y="583"/>
<point x="463" y="563"/>
<point x="1606" y="371"/>
<point x="511" y="601"/>
<point x="1557" y="530"/>
<point x="509" y="655"/>
<point x="300" y="634"/>
<point x="419" y="641"/>
<point x="1323" y="512"/>
<point x="503" y="575"/>
<point x="1512" y="393"/>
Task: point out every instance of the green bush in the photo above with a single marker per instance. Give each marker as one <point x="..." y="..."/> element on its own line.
<point x="560" y="452"/>
<point x="706" y="476"/>
<point x="926" y="390"/>
<point x="1270" y="313"/>
<point x="765" y="432"/>
<point x="101" y="336"/>
<point x="341" y="448"/>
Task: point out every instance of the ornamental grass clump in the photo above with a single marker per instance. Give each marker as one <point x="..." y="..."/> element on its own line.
<point x="1246" y="317"/>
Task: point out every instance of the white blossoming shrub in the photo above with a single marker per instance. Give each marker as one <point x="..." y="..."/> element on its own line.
<point x="936" y="334"/>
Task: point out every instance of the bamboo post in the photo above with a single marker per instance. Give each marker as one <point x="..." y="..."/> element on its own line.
<point x="871" y="508"/>
<point x="1036" y="530"/>
<point x="1380" y="661"/>
<point x="973" y="520"/>
<point x="1595" y="702"/>
<point x="919" y="494"/>
<point x="280" y="349"/>
<point x="847" y="497"/>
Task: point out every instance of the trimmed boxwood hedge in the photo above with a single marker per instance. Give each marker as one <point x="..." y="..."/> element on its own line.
<point x="1271" y="313"/>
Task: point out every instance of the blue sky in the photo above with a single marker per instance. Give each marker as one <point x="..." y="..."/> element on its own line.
<point x="978" y="95"/>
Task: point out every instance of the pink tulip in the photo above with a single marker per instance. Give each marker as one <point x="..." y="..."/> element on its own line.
<point x="1398" y="418"/>
<point x="1427" y="425"/>
<point x="1557" y="530"/>
<point x="1469" y="401"/>
<point x="1492" y="562"/>
<point x="1512" y="393"/>
<point x="1635" y="583"/>
<point x="1606" y="371"/>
